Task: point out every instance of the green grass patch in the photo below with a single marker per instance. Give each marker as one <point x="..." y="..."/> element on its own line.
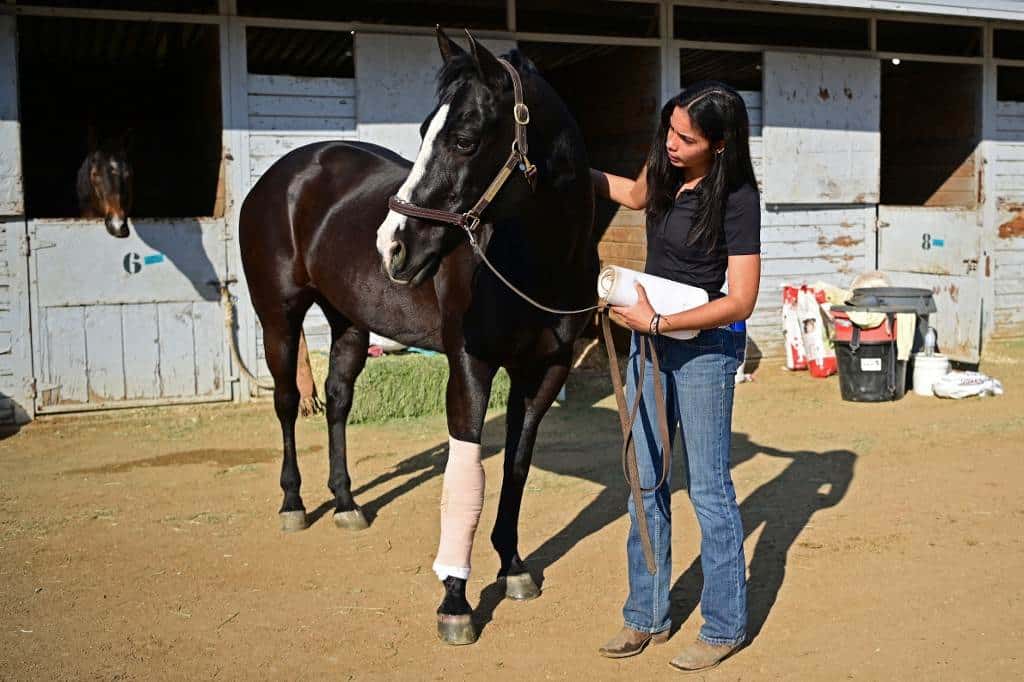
<point x="402" y="386"/>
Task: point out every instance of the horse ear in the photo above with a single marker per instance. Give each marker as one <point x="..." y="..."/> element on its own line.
<point x="449" y="48"/>
<point x="486" y="63"/>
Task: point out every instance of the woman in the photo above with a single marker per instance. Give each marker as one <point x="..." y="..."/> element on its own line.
<point x="703" y="221"/>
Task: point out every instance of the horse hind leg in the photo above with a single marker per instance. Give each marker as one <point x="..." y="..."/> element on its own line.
<point x="281" y="345"/>
<point x="348" y="357"/>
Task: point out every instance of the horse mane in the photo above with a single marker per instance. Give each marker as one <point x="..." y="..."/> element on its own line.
<point x="461" y="69"/>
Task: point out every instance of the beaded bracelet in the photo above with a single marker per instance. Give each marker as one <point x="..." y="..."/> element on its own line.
<point x="655" y="322"/>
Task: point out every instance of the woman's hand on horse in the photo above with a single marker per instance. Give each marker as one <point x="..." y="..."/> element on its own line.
<point x="637" y="316"/>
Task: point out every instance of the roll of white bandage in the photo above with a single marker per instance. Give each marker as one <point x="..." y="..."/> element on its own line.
<point x="618" y="286"/>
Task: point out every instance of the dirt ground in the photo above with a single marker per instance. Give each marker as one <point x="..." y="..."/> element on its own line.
<point x="884" y="542"/>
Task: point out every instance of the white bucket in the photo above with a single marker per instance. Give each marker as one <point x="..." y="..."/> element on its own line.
<point x="927" y="370"/>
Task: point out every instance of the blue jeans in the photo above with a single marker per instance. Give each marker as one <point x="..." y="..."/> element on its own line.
<point x="698" y="377"/>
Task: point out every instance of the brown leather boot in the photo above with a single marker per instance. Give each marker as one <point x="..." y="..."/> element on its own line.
<point x="702" y="656"/>
<point x="630" y="642"/>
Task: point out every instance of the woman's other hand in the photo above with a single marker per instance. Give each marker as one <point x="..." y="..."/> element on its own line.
<point x="637" y="316"/>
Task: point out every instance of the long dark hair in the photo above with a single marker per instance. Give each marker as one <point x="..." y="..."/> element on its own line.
<point x="720" y="114"/>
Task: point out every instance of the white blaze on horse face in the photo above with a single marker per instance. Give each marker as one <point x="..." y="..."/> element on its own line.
<point x="393" y="222"/>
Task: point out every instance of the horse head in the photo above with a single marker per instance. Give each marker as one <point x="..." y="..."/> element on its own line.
<point x="468" y="139"/>
<point x="105" y="184"/>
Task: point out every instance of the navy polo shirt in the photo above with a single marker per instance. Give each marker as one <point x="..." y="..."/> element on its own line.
<point x="669" y="255"/>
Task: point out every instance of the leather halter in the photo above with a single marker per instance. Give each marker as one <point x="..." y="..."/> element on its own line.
<point x="470" y="220"/>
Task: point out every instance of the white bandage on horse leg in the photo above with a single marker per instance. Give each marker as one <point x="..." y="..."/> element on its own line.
<point x="462" y="498"/>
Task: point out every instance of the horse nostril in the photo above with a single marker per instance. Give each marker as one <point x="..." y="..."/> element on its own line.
<point x="397" y="255"/>
<point x="117" y="226"/>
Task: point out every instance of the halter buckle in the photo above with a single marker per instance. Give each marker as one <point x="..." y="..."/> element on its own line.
<point x="521" y="113"/>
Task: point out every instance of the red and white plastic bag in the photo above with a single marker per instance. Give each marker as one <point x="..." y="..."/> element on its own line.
<point x="796" y="356"/>
<point x="818" y="346"/>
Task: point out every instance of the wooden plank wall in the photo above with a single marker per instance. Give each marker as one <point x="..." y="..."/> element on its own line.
<point x="11" y="196"/>
<point x="809" y="245"/>
<point x="104" y="354"/>
<point x="1009" y="189"/>
<point x="110" y="333"/>
<point x="288" y="112"/>
<point x="821" y="138"/>
<point x="15" y="343"/>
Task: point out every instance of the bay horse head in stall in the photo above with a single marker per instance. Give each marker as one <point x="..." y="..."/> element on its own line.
<point x="387" y="246"/>
<point x="104" y="184"/>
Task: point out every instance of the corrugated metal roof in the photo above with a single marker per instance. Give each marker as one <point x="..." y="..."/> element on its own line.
<point x="1011" y="10"/>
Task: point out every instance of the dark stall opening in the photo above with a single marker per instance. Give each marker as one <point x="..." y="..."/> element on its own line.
<point x="158" y="82"/>
<point x="298" y="52"/>
<point x="1010" y="84"/>
<point x="930" y="129"/>
<point x="741" y="70"/>
<point x="613" y="93"/>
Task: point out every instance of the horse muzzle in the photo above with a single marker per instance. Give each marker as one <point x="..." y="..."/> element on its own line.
<point x="117" y="226"/>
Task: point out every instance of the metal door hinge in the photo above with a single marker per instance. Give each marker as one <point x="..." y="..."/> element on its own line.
<point x="972" y="264"/>
<point x="880" y="224"/>
<point x="26" y="245"/>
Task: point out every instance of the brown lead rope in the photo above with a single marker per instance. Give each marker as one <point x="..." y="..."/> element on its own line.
<point x="627" y="417"/>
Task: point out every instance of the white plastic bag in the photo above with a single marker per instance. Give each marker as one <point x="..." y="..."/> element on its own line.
<point x="966" y="384"/>
<point x="386" y="344"/>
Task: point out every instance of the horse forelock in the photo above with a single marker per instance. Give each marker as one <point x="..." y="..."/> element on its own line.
<point x="461" y="69"/>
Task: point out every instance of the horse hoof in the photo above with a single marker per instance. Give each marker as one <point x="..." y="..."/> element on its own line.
<point x="351" y="520"/>
<point x="292" y="521"/>
<point x="521" y="587"/>
<point x="455" y="630"/>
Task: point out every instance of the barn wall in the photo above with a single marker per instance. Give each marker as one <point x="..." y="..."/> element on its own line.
<point x="1009" y="247"/>
<point x="398" y="73"/>
<point x="11" y="200"/>
<point x="287" y="112"/>
<point x="15" y="341"/>
<point x="16" y="404"/>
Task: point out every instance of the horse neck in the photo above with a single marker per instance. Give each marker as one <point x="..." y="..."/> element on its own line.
<point x="88" y="205"/>
<point x="565" y="198"/>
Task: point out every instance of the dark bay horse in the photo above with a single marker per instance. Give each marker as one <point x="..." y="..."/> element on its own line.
<point x="316" y="228"/>
<point x="104" y="184"/>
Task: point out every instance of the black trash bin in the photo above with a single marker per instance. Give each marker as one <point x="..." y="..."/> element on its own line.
<point x="869" y="368"/>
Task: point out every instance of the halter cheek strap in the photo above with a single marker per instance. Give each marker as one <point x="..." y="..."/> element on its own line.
<point x="517" y="159"/>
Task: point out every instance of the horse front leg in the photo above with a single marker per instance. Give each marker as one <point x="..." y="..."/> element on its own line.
<point x="462" y="494"/>
<point x="533" y="392"/>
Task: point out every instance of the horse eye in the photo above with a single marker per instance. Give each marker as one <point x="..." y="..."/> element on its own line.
<point x="464" y="144"/>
